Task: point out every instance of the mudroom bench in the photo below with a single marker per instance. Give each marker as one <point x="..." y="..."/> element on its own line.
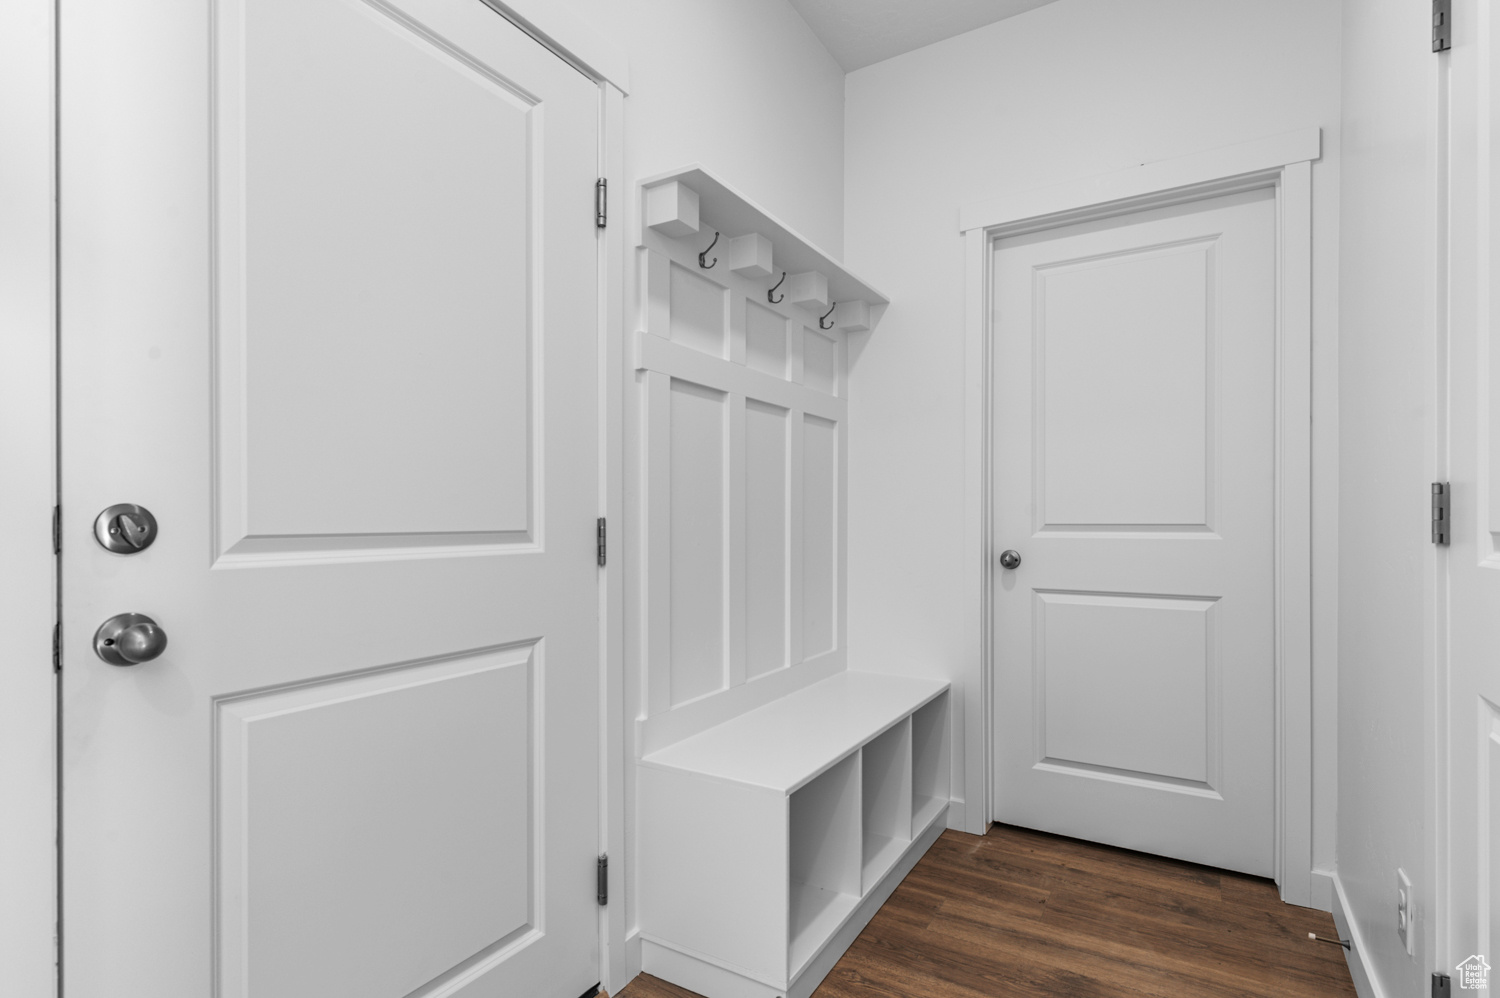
<point x="768" y="841"/>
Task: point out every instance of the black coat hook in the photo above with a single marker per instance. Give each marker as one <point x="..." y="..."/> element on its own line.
<point x="771" y="295"/>
<point x="826" y="315"/>
<point x="702" y="262"/>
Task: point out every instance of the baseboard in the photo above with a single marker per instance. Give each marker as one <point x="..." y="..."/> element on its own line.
<point x="1365" y="984"/>
<point x="697" y="974"/>
<point x="632" y="964"/>
<point x="956" y="813"/>
<point x="1321" y="883"/>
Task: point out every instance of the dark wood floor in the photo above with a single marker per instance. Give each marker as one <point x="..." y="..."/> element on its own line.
<point x="1019" y="913"/>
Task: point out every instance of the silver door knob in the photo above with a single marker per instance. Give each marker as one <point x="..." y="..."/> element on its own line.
<point x="1010" y="559"/>
<point x="129" y="639"/>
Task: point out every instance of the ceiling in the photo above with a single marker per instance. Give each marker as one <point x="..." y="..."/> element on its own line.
<point x="861" y="32"/>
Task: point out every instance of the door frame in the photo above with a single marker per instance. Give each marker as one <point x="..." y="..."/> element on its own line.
<point x="28" y="491"/>
<point x="1282" y="163"/>
<point x="30" y="929"/>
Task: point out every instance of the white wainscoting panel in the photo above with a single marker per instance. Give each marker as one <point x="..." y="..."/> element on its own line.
<point x="820" y="553"/>
<point x="698" y="317"/>
<point x="820" y="361"/>
<point x="767" y="533"/>
<point x="696" y="452"/>
<point x="765" y="339"/>
<point x="742" y="456"/>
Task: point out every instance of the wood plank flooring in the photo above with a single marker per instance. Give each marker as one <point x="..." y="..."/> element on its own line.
<point x="1020" y="913"/>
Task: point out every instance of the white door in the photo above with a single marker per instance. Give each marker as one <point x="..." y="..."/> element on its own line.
<point x="329" y="313"/>
<point x="1134" y="405"/>
<point x="1466" y="904"/>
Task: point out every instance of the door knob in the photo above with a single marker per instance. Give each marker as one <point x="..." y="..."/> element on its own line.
<point x="1010" y="559"/>
<point x="125" y="528"/>
<point x="129" y="639"/>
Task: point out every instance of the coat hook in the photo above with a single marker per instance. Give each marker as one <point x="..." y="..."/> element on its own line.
<point x="771" y="295"/>
<point x="702" y="261"/>
<point x="826" y="315"/>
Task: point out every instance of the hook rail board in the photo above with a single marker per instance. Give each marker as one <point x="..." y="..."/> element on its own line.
<point x="690" y="202"/>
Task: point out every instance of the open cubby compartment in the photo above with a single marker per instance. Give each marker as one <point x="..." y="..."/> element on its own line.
<point x="886" y="801"/>
<point x="824" y="856"/>
<point x="931" y="747"/>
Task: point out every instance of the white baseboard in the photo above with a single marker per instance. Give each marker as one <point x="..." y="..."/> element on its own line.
<point x="956" y="814"/>
<point x="1365" y="985"/>
<point x="1321" y="883"/>
<point x="632" y="964"/>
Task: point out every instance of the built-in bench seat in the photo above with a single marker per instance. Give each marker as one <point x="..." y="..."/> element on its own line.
<point x="768" y="841"/>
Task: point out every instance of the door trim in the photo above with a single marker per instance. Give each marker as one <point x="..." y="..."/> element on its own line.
<point x="1284" y="164"/>
<point x="28" y="490"/>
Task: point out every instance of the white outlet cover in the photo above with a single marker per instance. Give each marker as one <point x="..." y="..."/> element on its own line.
<point x="1404" y="909"/>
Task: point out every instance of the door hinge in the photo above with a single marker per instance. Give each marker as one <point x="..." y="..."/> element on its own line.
<point x="603" y="879"/>
<point x="1442" y="986"/>
<point x="57" y="530"/>
<point x="600" y="537"/>
<point x="601" y="202"/>
<point x="1440" y="512"/>
<point x="57" y="647"/>
<point x="1442" y="25"/>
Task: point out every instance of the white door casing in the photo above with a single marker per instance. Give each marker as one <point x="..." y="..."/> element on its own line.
<point x="1134" y="427"/>
<point x="1282" y="163"/>
<point x="28" y="490"/>
<point x="330" y="312"/>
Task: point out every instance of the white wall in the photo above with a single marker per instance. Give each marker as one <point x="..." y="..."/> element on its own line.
<point x="1072" y="89"/>
<point x="1387" y="379"/>
<point x="741" y="86"/>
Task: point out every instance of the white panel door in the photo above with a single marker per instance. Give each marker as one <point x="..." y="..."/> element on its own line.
<point x="330" y="315"/>
<point x="1466" y="901"/>
<point x="1134" y="421"/>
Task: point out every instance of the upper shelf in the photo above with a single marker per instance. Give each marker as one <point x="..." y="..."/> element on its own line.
<point x="720" y="208"/>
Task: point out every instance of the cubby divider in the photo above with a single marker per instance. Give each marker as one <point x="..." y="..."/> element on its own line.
<point x="886" y="803"/>
<point x="824" y="857"/>
<point x="931" y="754"/>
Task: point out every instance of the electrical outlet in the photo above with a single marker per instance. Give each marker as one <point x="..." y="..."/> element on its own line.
<point x="1404" y="909"/>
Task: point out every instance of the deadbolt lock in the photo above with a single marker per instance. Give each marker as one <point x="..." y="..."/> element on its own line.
<point x="125" y="528"/>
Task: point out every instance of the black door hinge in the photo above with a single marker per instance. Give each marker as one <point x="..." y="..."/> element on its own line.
<point x="600" y="537"/>
<point x="1442" y="986"/>
<point x="601" y="203"/>
<point x="57" y="530"/>
<point x="603" y="879"/>
<point x="1440" y="512"/>
<point x="57" y="647"/>
<point x="1442" y="25"/>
